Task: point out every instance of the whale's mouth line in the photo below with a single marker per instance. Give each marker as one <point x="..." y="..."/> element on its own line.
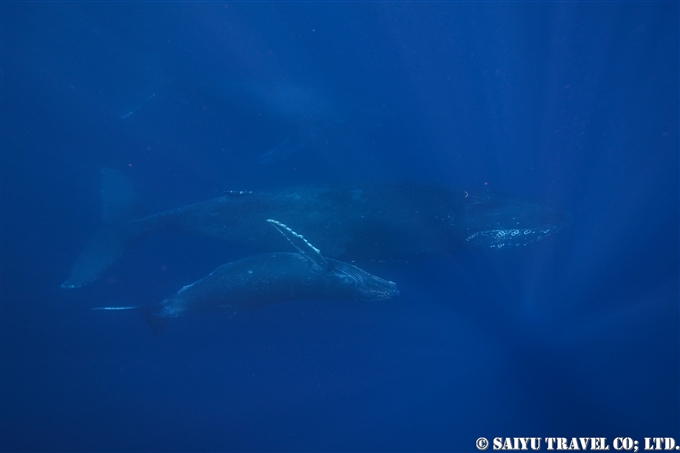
<point x="501" y="237"/>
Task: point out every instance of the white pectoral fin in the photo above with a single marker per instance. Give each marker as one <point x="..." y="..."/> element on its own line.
<point x="302" y="245"/>
<point x="156" y="323"/>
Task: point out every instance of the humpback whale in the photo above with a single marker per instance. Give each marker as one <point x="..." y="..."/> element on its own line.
<point x="270" y="278"/>
<point x="360" y="222"/>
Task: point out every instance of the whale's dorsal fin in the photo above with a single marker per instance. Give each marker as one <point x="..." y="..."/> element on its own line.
<point x="303" y="246"/>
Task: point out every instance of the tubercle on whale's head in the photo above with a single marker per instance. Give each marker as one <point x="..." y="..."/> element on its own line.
<point x="362" y="285"/>
<point x="495" y="220"/>
<point x="377" y="289"/>
<point x="387" y="290"/>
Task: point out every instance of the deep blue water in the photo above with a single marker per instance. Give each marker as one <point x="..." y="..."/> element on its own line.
<point x="574" y="103"/>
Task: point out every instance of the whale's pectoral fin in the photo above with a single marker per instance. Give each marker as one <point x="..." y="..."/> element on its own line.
<point x="303" y="246"/>
<point x="156" y="323"/>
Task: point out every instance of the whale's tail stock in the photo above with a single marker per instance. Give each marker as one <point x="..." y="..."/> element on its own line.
<point x="120" y="206"/>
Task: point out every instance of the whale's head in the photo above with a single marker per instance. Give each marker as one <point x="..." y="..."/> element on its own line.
<point x="496" y="221"/>
<point x="360" y="285"/>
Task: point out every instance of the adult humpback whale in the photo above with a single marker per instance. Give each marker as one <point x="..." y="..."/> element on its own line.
<point x="361" y="222"/>
<point x="270" y="278"/>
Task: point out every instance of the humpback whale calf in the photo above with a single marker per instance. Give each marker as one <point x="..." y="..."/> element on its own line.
<point x="360" y="222"/>
<point x="270" y="278"/>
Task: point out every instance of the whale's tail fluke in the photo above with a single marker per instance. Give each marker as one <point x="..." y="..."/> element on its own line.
<point x="156" y="323"/>
<point x="120" y="205"/>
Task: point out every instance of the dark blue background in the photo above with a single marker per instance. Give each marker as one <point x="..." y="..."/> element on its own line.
<point x="576" y="103"/>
